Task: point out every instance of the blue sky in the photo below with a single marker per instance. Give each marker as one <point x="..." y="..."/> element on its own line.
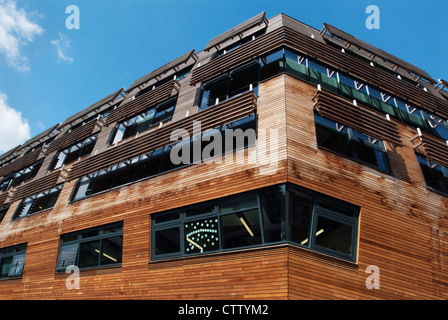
<point x="120" y="41"/>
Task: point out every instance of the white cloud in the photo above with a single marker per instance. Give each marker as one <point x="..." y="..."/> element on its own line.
<point x="16" y="30"/>
<point x="62" y="44"/>
<point x="14" y="130"/>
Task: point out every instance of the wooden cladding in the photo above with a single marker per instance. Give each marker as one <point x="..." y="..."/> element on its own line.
<point x="142" y="102"/>
<point x="325" y="53"/>
<point x="436" y="150"/>
<point x="19" y="163"/>
<point x="36" y="186"/>
<point x="71" y="137"/>
<point x="345" y="112"/>
<point x="227" y="111"/>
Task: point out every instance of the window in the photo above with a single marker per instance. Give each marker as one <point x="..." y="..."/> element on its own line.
<point x="435" y="175"/>
<point x="310" y="70"/>
<point x="159" y="161"/>
<point x="92" y="248"/>
<point x="145" y="120"/>
<point x="350" y="143"/>
<point x="23" y="175"/>
<point x="39" y="202"/>
<point x="324" y="224"/>
<point x="3" y="211"/>
<point x="73" y="153"/>
<point x="276" y="214"/>
<point x="237" y="81"/>
<point x="12" y="261"/>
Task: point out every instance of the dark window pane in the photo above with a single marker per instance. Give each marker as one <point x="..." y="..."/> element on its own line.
<point x="113" y="229"/>
<point x="213" y="91"/>
<point x="102" y="182"/>
<point x="87" y="149"/>
<point x="239" y="202"/>
<point x="38" y="205"/>
<point x="151" y="166"/>
<point x="241" y="229"/>
<point x="201" y="235"/>
<point x="5" y="266"/>
<point x="164" y="217"/>
<point x="434" y="177"/>
<point x="300" y="219"/>
<point x="334" y="235"/>
<point x="204" y="208"/>
<point x="272" y="201"/>
<point x="241" y="80"/>
<point x="336" y="206"/>
<point x="90" y="233"/>
<point x="72" y="156"/>
<point x="111" y="250"/>
<point x="334" y="141"/>
<point x="167" y="241"/>
<point x="371" y="156"/>
<point x="89" y="254"/>
<point x="124" y="175"/>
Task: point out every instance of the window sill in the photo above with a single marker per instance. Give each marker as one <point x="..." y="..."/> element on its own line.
<point x="288" y="248"/>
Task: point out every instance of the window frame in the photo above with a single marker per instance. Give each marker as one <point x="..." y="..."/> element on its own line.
<point x="131" y="123"/>
<point x="421" y="158"/>
<point x="14" y="251"/>
<point x="285" y="229"/>
<point x="353" y="138"/>
<point x="81" y="239"/>
<point x="31" y="200"/>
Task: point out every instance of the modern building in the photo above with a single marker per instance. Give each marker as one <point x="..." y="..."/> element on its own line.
<point x="279" y="162"/>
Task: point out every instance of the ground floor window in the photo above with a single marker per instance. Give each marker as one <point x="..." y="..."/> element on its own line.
<point x="276" y="214"/>
<point x="92" y="248"/>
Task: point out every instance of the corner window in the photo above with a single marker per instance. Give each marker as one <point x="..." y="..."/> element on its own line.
<point x="74" y="152"/>
<point x="276" y="214"/>
<point x="350" y="143"/>
<point x="224" y="87"/>
<point x="148" y="119"/>
<point x="435" y="175"/>
<point x="39" y="202"/>
<point x="12" y="261"/>
<point x="92" y="248"/>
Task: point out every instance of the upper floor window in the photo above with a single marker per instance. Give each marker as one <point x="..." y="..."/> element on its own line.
<point x="38" y="202"/>
<point x="351" y="143"/>
<point x="145" y="120"/>
<point x="73" y="153"/>
<point x="237" y="81"/>
<point x="92" y="248"/>
<point x="3" y="211"/>
<point x="12" y="261"/>
<point x="26" y="174"/>
<point x="276" y="214"/>
<point x="160" y="161"/>
<point x="435" y="175"/>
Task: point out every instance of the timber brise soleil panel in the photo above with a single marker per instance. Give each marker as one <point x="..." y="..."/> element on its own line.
<point x="351" y="188"/>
